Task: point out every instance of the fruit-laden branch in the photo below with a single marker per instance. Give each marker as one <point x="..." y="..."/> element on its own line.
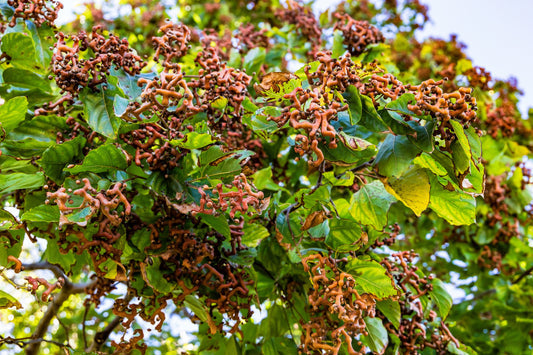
<point x="67" y="290"/>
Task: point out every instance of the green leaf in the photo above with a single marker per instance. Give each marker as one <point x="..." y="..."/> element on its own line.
<point x="128" y="83"/>
<point x="6" y="221"/>
<point x="120" y="104"/>
<point x="81" y="217"/>
<point x="197" y="307"/>
<point x="263" y="180"/>
<point x="42" y="213"/>
<point x="400" y="105"/>
<point x="27" y="79"/>
<point x="350" y="150"/>
<point x="21" y="50"/>
<point x="395" y="122"/>
<point x="344" y="235"/>
<point x="259" y="121"/>
<point x="12" y="113"/>
<point x="412" y="188"/>
<point x="338" y="48"/>
<point x="378" y="336"/>
<point x="461" y="138"/>
<point x="249" y="106"/>
<point x="156" y="278"/>
<point x="254" y="59"/>
<point x="423" y="136"/>
<point x="458" y="208"/>
<point x="40" y="129"/>
<point x="54" y="256"/>
<point x="426" y="161"/>
<point x="253" y="234"/>
<point x="193" y="140"/>
<point x="216" y="164"/>
<point x="371" y="278"/>
<point x="461" y="160"/>
<point x="462" y="350"/>
<point x="102" y="159"/>
<point x="441" y="297"/>
<point x="391" y="310"/>
<point x="345" y="179"/>
<point x="219" y="224"/>
<point x="43" y="39"/>
<point x="355" y="106"/>
<point x="370" y="205"/>
<point x="8" y="301"/>
<point x="20" y="181"/>
<point x="99" y="112"/>
<point x="220" y="103"/>
<point x="142" y="205"/>
<point x="370" y="119"/>
<point x="395" y="155"/>
<point x="57" y="157"/>
<point x="232" y="346"/>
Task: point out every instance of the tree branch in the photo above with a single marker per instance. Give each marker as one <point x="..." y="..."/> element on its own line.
<point x="101" y="337"/>
<point x="526" y="273"/>
<point x="67" y="290"/>
<point x="58" y="272"/>
<point x="51" y="311"/>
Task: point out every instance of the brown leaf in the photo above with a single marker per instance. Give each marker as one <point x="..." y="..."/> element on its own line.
<point x="273" y="81"/>
<point x="314" y="219"/>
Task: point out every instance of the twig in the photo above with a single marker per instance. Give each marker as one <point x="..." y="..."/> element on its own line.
<point x="357" y="168"/>
<point x="101" y="337"/>
<point x="83" y="325"/>
<point x="526" y="273"/>
<point x="20" y="342"/>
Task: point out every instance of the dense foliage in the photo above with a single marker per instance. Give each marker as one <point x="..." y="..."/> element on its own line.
<point x="291" y="183"/>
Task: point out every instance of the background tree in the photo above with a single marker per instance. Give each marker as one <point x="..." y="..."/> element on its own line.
<point x="330" y="173"/>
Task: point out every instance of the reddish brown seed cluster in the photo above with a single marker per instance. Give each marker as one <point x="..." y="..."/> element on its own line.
<point x="306" y="23"/>
<point x="395" y="230"/>
<point x="249" y="38"/>
<point x="151" y="143"/>
<point x="106" y="203"/>
<point x="106" y="208"/>
<point x="430" y="99"/>
<point x="357" y="35"/>
<point x="220" y="83"/>
<point x="312" y="110"/>
<point x="73" y="73"/>
<point x="198" y="266"/>
<point x="35" y="283"/>
<point x="332" y="73"/>
<point x="314" y="120"/>
<point x="479" y="77"/>
<point x="391" y="14"/>
<point x="496" y="191"/>
<point x="221" y="42"/>
<point x="490" y="258"/>
<point x="240" y="198"/>
<point x="18" y="264"/>
<point x="503" y="118"/>
<point x="39" y="11"/>
<point x="337" y="309"/>
<point x="416" y="331"/>
<point x="218" y="90"/>
<point x="173" y="45"/>
<point x="58" y="108"/>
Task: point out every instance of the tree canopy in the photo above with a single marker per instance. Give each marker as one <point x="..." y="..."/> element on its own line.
<point x="284" y="181"/>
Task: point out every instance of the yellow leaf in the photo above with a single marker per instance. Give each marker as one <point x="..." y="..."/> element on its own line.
<point x="412" y="188"/>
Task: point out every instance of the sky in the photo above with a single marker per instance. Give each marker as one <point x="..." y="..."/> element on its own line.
<point x="497" y="35"/>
